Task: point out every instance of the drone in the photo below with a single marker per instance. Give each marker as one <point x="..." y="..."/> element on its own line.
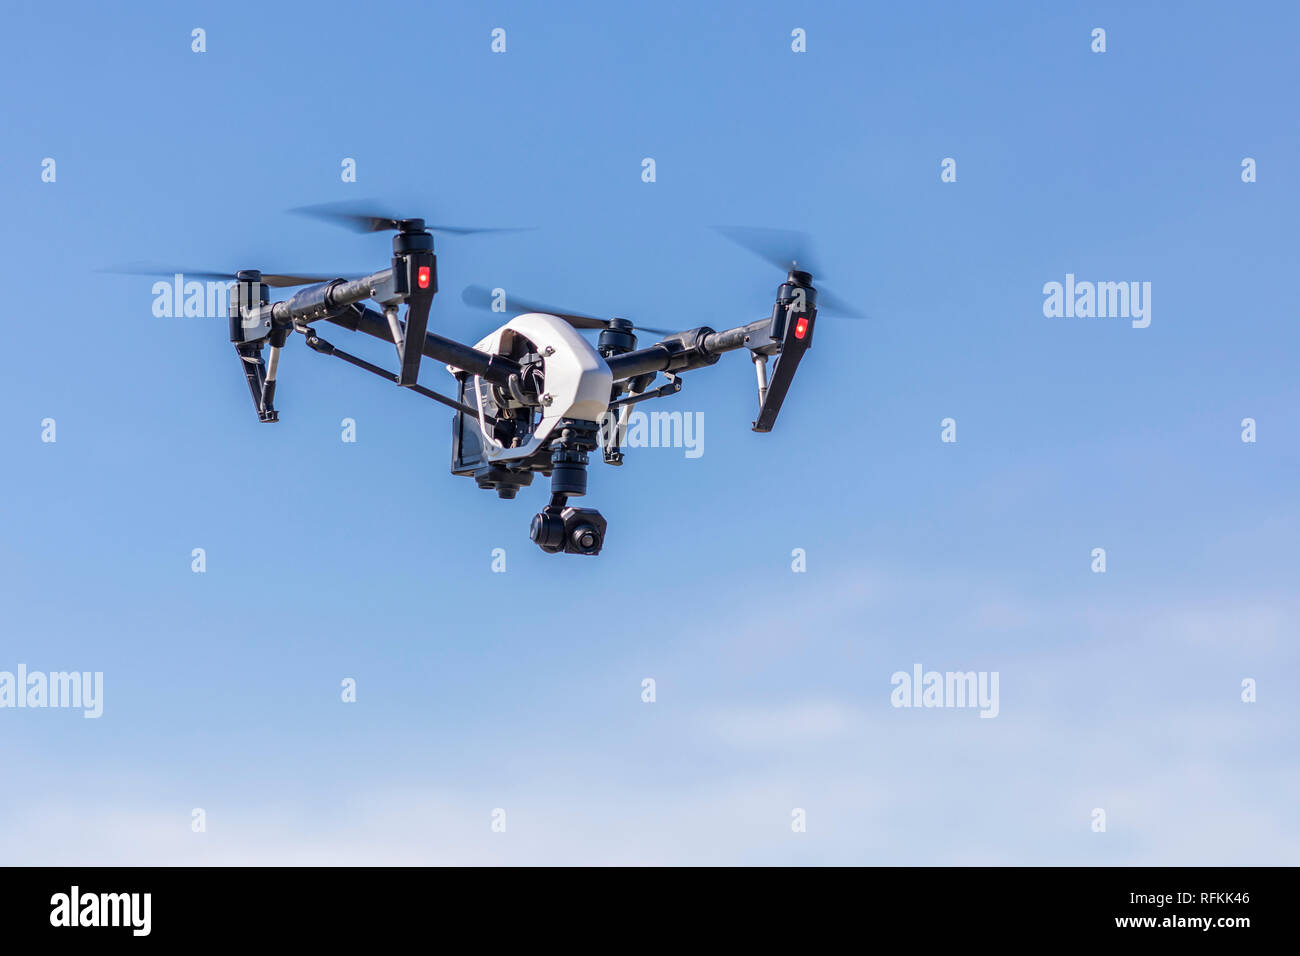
<point x="534" y="396"/>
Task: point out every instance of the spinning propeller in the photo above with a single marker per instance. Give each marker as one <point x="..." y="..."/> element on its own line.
<point x="368" y="216"/>
<point x="414" y="267"/>
<point x="479" y="297"/>
<point x="787" y="249"/>
<point x="278" y="280"/>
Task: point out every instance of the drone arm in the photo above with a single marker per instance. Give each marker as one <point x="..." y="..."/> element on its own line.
<point x="497" y="369"/>
<point x="786" y="335"/>
<point x="739" y="337"/>
<point x="685" y="351"/>
<point x="339" y="301"/>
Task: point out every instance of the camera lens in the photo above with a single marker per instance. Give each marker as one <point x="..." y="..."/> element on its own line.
<point x="547" y="531"/>
<point x="585" y="538"/>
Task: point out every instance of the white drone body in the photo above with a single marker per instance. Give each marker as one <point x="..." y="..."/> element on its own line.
<point x="578" y="381"/>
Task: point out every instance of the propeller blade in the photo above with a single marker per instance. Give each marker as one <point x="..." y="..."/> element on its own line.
<point x="784" y="248"/>
<point x="369" y="216"/>
<point x="281" y="281"/>
<point x="277" y="280"/>
<point x="831" y="304"/>
<point x="788" y="249"/>
<point x="474" y="230"/>
<point x="356" y="221"/>
<point x="479" y="297"/>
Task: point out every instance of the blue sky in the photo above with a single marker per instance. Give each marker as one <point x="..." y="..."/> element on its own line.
<point x="522" y="690"/>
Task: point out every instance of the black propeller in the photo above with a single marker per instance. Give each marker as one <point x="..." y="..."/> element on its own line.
<point x="787" y="249"/>
<point x="278" y="280"/>
<point x="368" y="216"/>
<point x="478" y="297"/>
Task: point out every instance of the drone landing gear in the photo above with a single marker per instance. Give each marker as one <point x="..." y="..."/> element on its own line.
<point x="558" y="527"/>
<point x="261" y="380"/>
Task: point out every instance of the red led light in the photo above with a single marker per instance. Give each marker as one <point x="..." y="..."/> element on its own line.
<point x="800" y="327"/>
<point x="423" y="278"/>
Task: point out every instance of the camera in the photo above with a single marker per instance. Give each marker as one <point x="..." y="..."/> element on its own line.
<point x="573" y="530"/>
